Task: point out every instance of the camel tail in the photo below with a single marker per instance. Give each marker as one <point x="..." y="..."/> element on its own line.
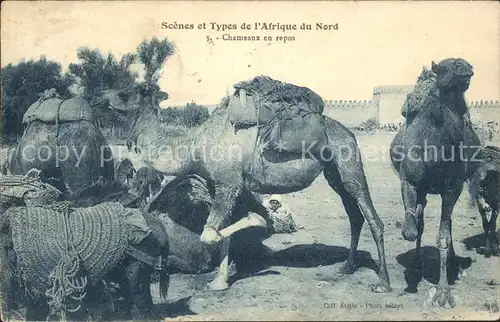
<point x="164" y="283"/>
<point x="474" y="189"/>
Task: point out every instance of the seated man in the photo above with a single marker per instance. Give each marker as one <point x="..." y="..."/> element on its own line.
<point x="281" y="216"/>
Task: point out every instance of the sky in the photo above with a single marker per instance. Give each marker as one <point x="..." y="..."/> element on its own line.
<point x="377" y="43"/>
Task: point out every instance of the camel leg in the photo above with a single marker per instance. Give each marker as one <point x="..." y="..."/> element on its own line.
<point x="457" y="266"/>
<point x="443" y="296"/>
<point x="222" y="209"/>
<point x="353" y="181"/>
<point x="420" y="232"/>
<point x="416" y="265"/>
<point x="220" y="281"/>
<point x="377" y="229"/>
<point x="483" y="210"/>
<point x="495" y="249"/>
<point x="138" y="275"/>
<point x="413" y="211"/>
<point x="220" y="213"/>
<point x="119" y="275"/>
<point x="356" y="220"/>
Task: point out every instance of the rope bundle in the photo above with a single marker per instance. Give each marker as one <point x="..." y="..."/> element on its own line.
<point x="55" y="245"/>
<point x="68" y="284"/>
<point x="416" y="98"/>
<point x="271" y="90"/>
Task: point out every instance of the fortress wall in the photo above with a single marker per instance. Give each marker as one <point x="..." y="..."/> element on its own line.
<point x="349" y="112"/>
<point x="484" y="111"/>
<point x="386" y="104"/>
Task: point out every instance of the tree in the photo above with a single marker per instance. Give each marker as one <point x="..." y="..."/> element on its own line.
<point x="97" y="72"/>
<point x="153" y="54"/>
<point x="191" y="115"/>
<point x="171" y="115"/>
<point x="194" y="114"/>
<point x="21" y="86"/>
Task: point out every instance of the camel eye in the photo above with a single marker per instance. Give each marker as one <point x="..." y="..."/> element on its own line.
<point x="124" y="96"/>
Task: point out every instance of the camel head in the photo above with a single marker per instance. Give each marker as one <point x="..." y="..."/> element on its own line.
<point x="453" y="74"/>
<point x="125" y="171"/>
<point x="123" y="100"/>
<point x="242" y="110"/>
<point x="146" y="182"/>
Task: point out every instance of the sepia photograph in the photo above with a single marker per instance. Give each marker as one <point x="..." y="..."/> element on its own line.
<point x="249" y="160"/>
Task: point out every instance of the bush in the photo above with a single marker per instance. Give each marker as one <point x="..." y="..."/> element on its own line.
<point x="21" y="85"/>
<point x="370" y="123"/>
<point x="195" y="115"/>
<point x="191" y="115"/>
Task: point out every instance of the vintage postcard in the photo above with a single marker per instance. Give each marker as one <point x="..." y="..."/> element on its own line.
<point x="250" y="160"/>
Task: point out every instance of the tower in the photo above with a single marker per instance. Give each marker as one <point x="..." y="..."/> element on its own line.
<point x="388" y="100"/>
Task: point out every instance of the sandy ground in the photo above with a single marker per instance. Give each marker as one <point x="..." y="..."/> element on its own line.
<point x="304" y="284"/>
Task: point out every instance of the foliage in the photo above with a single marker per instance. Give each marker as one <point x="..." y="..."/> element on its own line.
<point x="21" y="85"/>
<point x="153" y="54"/>
<point x="191" y="115"/>
<point x="195" y="115"/>
<point x="93" y="72"/>
<point x="370" y="123"/>
<point x="97" y="72"/>
<point x="171" y="115"/>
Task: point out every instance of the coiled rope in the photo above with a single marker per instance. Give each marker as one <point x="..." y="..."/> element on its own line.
<point x="68" y="284"/>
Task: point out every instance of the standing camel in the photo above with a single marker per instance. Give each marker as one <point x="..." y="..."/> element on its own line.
<point x="484" y="190"/>
<point x="231" y="161"/>
<point x="434" y="154"/>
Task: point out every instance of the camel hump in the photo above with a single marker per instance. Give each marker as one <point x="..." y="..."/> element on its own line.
<point x="75" y="109"/>
<point x="270" y="90"/>
<point x="288" y="115"/>
<point x="53" y="109"/>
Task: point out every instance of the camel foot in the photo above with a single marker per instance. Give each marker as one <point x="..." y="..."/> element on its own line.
<point x="218" y="284"/>
<point x="409" y="229"/>
<point x="210" y="237"/>
<point x="347" y="269"/>
<point x="411" y="289"/>
<point x="486" y="208"/>
<point x="495" y="249"/>
<point x="441" y="296"/>
<point x="485" y="251"/>
<point x="381" y="287"/>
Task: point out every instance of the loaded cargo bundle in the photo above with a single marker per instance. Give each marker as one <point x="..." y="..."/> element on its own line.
<point x="60" y="249"/>
<point x="491" y="154"/>
<point x="26" y="189"/>
<point x="50" y="108"/>
<point x="420" y="94"/>
<point x="288" y="116"/>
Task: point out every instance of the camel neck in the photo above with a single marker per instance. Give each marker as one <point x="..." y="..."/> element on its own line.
<point x="454" y="100"/>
